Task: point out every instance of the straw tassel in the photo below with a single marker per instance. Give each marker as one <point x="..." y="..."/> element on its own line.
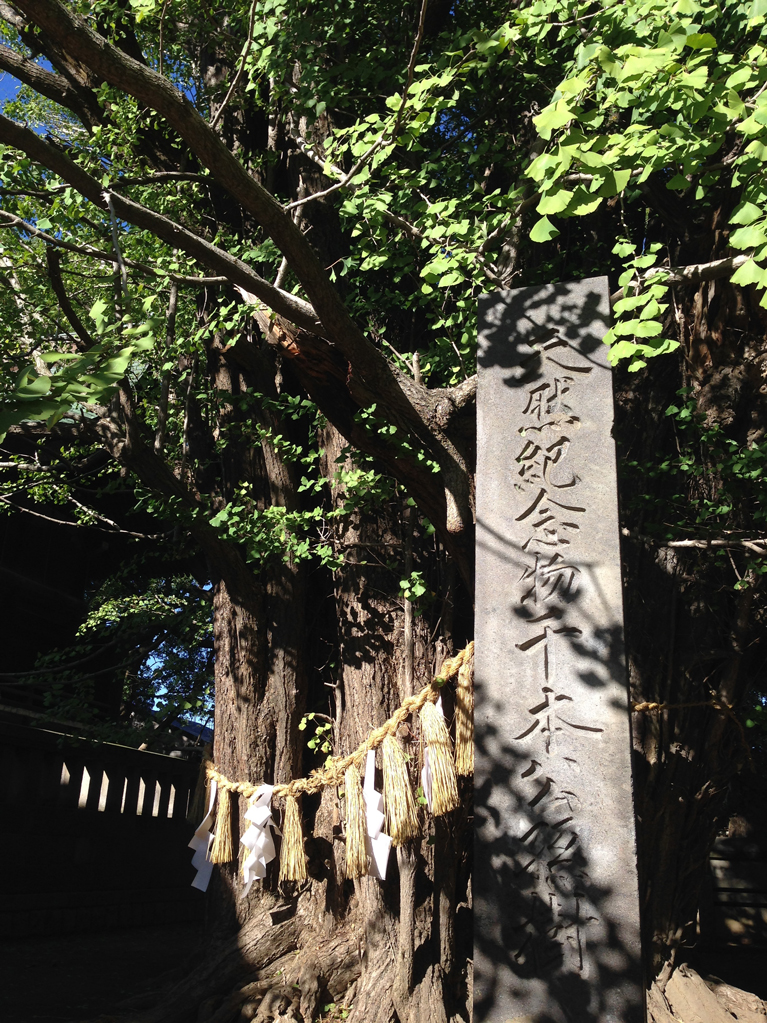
<point x="464" y="719"/>
<point x="399" y="804"/>
<point x="444" y="785"/>
<point x="356" y="830"/>
<point x="222" y="850"/>
<point x="292" y="856"/>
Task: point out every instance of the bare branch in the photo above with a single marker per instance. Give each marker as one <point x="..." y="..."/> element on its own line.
<point x="694" y="273"/>
<point x="369" y="152"/>
<point x="410" y="406"/>
<point x="97" y="515"/>
<point x="308" y="150"/>
<point x="8" y="14"/>
<point x="10" y="220"/>
<point x="162" y="29"/>
<point x="295" y="309"/>
<point x="45" y="194"/>
<point x="395" y="219"/>
<point x="758" y="545"/>
<point x="400" y="394"/>
<point x="585" y="179"/>
<point x="54" y="87"/>
<point x="118" y="250"/>
<point x="53" y="260"/>
<point x="411" y="65"/>
<point x="80" y="525"/>
<point x="464" y="393"/>
<point x="151" y="179"/>
<point x="162" y="408"/>
<point x="150" y="88"/>
<point x="45" y="82"/>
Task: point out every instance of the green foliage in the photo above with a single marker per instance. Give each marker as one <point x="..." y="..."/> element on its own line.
<point x="715" y="486"/>
<point x="275" y="531"/>
<point x="320" y="740"/>
<point x="651" y="89"/>
<point x="647" y="88"/>
<point x="414" y="587"/>
<point x="68" y="382"/>
<point x="758" y="717"/>
<point x="332" y="1011"/>
<point x="637" y="333"/>
<point x="543" y="141"/>
<point x="147" y="636"/>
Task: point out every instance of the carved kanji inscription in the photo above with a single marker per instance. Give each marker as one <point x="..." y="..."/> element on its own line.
<point x="555" y="900"/>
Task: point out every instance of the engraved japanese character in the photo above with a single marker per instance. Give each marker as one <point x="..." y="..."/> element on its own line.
<point x="549" y="577"/>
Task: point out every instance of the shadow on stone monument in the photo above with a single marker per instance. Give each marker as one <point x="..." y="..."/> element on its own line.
<point x="555" y="897"/>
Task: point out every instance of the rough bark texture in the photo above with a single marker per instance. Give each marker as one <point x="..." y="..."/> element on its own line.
<point x="411" y="969"/>
<point x="690" y="633"/>
<point x="285" y="638"/>
<point x="394" y="951"/>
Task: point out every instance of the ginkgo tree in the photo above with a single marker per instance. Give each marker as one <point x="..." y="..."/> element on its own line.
<point x="241" y="253"/>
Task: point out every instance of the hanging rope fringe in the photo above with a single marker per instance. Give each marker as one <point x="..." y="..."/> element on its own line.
<point x="222" y="850"/>
<point x="292" y="856"/>
<point x="444" y="791"/>
<point x="356" y="852"/>
<point x="464" y="720"/>
<point x="399" y="804"/>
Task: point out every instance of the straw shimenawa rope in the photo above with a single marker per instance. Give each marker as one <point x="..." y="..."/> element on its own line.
<point x="292" y="856"/>
<point x="444" y="788"/>
<point x="716" y="704"/>
<point x="222" y="850"/>
<point x="334" y="773"/>
<point x="725" y="708"/>
<point x="401" y="814"/>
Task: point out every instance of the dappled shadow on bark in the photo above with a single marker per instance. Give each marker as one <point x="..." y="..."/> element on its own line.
<point x="690" y="634"/>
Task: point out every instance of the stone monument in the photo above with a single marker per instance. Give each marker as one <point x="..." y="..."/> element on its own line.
<point x="556" y="933"/>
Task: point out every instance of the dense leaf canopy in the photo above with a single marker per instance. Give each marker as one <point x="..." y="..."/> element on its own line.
<point x="328" y="188"/>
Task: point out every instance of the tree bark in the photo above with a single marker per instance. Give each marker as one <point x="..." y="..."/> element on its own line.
<point x="689" y="631"/>
<point x="412" y="969"/>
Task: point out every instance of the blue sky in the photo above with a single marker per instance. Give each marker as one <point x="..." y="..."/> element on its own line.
<point x="8" y="87"/>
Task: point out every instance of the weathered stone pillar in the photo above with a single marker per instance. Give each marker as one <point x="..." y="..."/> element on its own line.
<point x="555" y="890"/>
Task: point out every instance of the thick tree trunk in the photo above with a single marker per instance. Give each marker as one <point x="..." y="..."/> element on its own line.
<point x="411" y="969"/>
<point x="689" y="631"/>
<point x="260" y="692"/>
<point x="394" y="950"/>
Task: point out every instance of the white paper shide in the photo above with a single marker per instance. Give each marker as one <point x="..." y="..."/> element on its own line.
<point x="201" y="842"/>
<point x="378" y="844"/>
<point x="258" y="839"/>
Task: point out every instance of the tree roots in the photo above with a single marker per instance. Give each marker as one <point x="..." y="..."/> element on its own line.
<point x="267" y="973"/>
<point x="689" y="998"/>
